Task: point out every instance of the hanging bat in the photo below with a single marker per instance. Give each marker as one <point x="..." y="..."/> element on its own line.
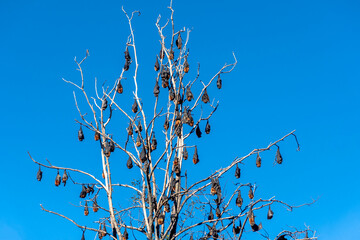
<point x="156" y="89"/>
<point x="236" y="229"/>
<point x="189" y="94"/>
<point x="64" y="178"/>
<point x="157" y="65"/>
<point x="127" y="54"/>
<point x="143" y="157"/>
<point x="195" y="156"/>
<point x="237" y="171"/>
<point x="239" y="200"/>
<point x="97" y="136"/>
<point x="178" y="129"/>
<point x="139" y="127"/>
<point x="39" y="174"/>
<point x="161" y="219"/>
<point x="251" y="217"/>
<point x="251" y="193"/>
<point x="178" y="100"/>
<point x="219" y="82"/>
<point x="134" y="107"/>
<point x="112" y="145"/>
<point x="129" y="163"/>
<point x="167" y="207"/>
<point x="130" y="129"/>
<point x="164" y="83"/>
<point x="205" y="97"/>
<point x="278" y="157"/>
<point x="80" y="134"/>
<point x="171" y="54"/>
<point x="126" y="65"/>
<point x="211" y="214"/>
<point x="57" y="179"/>
<point x="185" y="154"/>
<point x="161" y="54"/>
<point x="207" y="127"/>
<point x="95" y="206"/>
<point x="83" y="192"/>
<point x="86" y="209"/>
<point x="106" y="149"/>
<point x="178" y="41"/>
<point x="83" y="236"/>
<point x="90" y="189"/>
<point x="125" y="235"/>
<point x="104" y="104"/>
<point x="258" y="160"/>
<point x="119" y="88"/>
<point x="176" y="161"/>
<point x="256" y="227"/>
<point x="153" y="142"/>
<point x="114" y="233"/>
<point x="166" y="124"/>
<point x="171" y="94"/>
<point x="270" y="213"/>
<point x="282" y="237"/>
<point x="186" y="66"/>
<point x="198" y="131"/>
<point x="218" y="212"/>
<point x="138" y="141"/>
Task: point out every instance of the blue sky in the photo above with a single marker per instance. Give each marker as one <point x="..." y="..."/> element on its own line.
<point x="298" y="68"/>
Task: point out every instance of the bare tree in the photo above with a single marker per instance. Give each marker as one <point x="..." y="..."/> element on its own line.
<point x="163" y="201"/>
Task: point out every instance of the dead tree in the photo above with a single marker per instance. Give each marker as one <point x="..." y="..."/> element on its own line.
<point x="164" y="200"/>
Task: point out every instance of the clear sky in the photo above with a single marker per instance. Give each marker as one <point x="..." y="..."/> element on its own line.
<point x="298" y="68"/>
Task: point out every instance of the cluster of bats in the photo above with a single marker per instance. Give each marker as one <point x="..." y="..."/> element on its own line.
<point x="181" y="117"/>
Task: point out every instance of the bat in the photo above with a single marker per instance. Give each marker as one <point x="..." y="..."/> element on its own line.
<point x="95" y="206"/>
<point x="129" y="163"/>
<point x="153" y="143"/>
<point x="186" y="66"/>
<point x="64" y="178"/>
<point x="143" y="157"/>
<point x="270" y="213"/>
<point x="134" y="107"/>
<point x="83" y="192"/>
<point x="57" y="179"/>
<point x="211" y="215"/>
<point x="156" y="89"/>
<point x="130" y="129"/>
<point x="97" y="136"/>
<point x="207" y="127"/>
<point x="198" y="131"/>
<point x="178" y="41"/>
<point x="239" y="200"/>
<point x="166" y="124"/>
<point x="138" y="141"/>
<point x="119" y="88"/>
<point x="157" y="66"/>
<point x="205" y="97"/>
<point x="258" y="160"/>
<point x="185" y="154"/>
<point x="278" y="157"/>
<point x="80" y="134"/>
<point x="171" y="94"/>
<point x="251" y="193"/>
<point x="219" y="82"/>
<point x="139" y="126"/>
<point x="189" y="94"/>
<point x="195" y="156"/>
<point x="104" y="104"/>
<point x="39" y="174"/>
<point x="237" y="171"/>
<point x="86" y="209"/>
<point x="171" y="54"/>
